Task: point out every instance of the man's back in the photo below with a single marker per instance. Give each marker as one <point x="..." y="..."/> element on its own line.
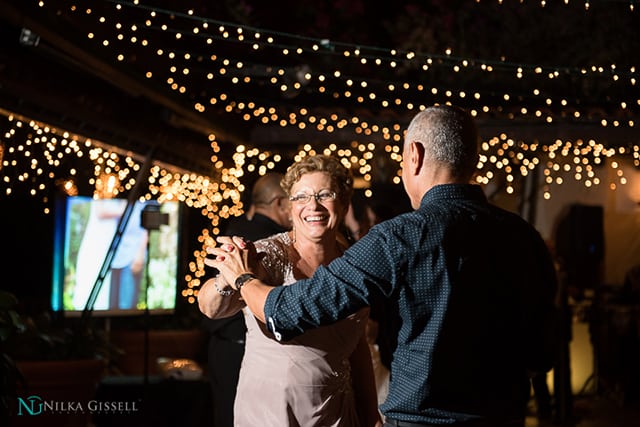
<point x="467" y="309"/>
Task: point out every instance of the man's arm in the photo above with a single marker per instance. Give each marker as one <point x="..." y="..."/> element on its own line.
<point x="333" y="292"/>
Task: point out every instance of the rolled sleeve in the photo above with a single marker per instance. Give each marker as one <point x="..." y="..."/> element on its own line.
<point x="270" y="308"/>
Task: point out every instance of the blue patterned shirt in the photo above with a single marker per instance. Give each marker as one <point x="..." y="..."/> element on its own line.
<point x="470" y="288"/>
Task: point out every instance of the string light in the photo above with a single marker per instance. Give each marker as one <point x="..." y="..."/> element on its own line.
<point x="381" y="95"/>
<point x="33" y="154"/>
<point x="586" y="3"/>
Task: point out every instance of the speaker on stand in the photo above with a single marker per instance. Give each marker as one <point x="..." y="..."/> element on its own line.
<point x="151" y="219"/>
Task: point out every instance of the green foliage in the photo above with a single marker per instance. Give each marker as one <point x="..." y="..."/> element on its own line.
<point x="40" y="338"/>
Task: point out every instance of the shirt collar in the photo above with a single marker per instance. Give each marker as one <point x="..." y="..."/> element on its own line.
<point x="454" y="191"/>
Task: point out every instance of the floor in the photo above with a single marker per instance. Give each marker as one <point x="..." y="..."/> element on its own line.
<point x="594" y="411"/>
<point x="605" y="383"/>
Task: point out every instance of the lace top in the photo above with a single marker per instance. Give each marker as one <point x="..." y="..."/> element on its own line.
<point x="302" y="382"/>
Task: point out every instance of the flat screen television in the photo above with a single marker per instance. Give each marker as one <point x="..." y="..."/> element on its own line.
<point x="142" y="273"/>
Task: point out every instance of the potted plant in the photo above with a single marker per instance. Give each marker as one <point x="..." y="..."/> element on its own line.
<point x="48" y="361"/>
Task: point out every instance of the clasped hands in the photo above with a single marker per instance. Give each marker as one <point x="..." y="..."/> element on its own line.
<point x="232" y="257"/>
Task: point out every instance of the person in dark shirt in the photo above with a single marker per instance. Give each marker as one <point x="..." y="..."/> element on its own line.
<point x="269" y="214"/>
<point x="473" y="286"/>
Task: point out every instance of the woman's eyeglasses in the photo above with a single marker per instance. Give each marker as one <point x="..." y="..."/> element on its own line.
<point x="321" y="197"/>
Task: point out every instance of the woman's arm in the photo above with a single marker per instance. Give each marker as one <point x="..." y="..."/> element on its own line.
<point x="364" y="384"/>
<point x="217" y="300"/>
<point x="255" y="291"/>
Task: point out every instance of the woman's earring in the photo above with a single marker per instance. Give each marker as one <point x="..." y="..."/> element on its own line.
<point x="293" y="235"/>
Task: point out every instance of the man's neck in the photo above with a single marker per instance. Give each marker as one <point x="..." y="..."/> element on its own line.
<point x="434" y="176"/>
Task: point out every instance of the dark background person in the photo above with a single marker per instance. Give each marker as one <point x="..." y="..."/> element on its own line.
<point x="474" y="285"/>
<point x="269" y="215"/>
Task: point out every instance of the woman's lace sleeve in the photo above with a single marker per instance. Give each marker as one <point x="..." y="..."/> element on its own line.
<point x="274" y="260"/>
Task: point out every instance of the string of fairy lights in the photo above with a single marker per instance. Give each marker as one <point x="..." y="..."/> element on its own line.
<point x="185" y="33"/>
<point x="587" y="3"/>
<point x="35" y="156"/>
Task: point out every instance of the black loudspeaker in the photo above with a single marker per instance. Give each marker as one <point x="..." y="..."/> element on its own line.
<point x="579" y="243"/>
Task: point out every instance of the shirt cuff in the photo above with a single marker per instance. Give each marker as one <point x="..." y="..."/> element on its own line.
<point x="269" y="312"/>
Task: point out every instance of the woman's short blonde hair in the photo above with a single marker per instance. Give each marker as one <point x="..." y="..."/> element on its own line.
<point x="341" y="176"/>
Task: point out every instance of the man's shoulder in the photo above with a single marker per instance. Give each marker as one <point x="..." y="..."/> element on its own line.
<point x="400" y="224"/>
<point x="510" y="217"/>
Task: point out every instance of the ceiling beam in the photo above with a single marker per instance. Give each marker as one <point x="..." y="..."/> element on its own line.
<point x="73" y="54"/>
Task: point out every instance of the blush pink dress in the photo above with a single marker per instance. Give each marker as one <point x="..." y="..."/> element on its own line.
<point x="303" y="382"/>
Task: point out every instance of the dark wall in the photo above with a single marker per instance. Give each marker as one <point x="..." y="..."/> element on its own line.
<point x="27" y="249"/>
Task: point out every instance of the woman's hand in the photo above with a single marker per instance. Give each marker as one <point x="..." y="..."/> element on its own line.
<point x="233" y="257"/>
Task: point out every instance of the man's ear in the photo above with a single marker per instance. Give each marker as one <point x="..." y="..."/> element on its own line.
<point x="416" y="158"/>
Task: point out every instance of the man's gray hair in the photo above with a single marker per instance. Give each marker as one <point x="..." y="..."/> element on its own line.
<point x="449" y="136"/>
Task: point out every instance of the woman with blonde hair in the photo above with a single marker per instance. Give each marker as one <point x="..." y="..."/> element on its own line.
<point x="324" y="377"/>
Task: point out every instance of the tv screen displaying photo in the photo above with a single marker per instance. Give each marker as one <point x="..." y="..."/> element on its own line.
<point x="85" y="232"/>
